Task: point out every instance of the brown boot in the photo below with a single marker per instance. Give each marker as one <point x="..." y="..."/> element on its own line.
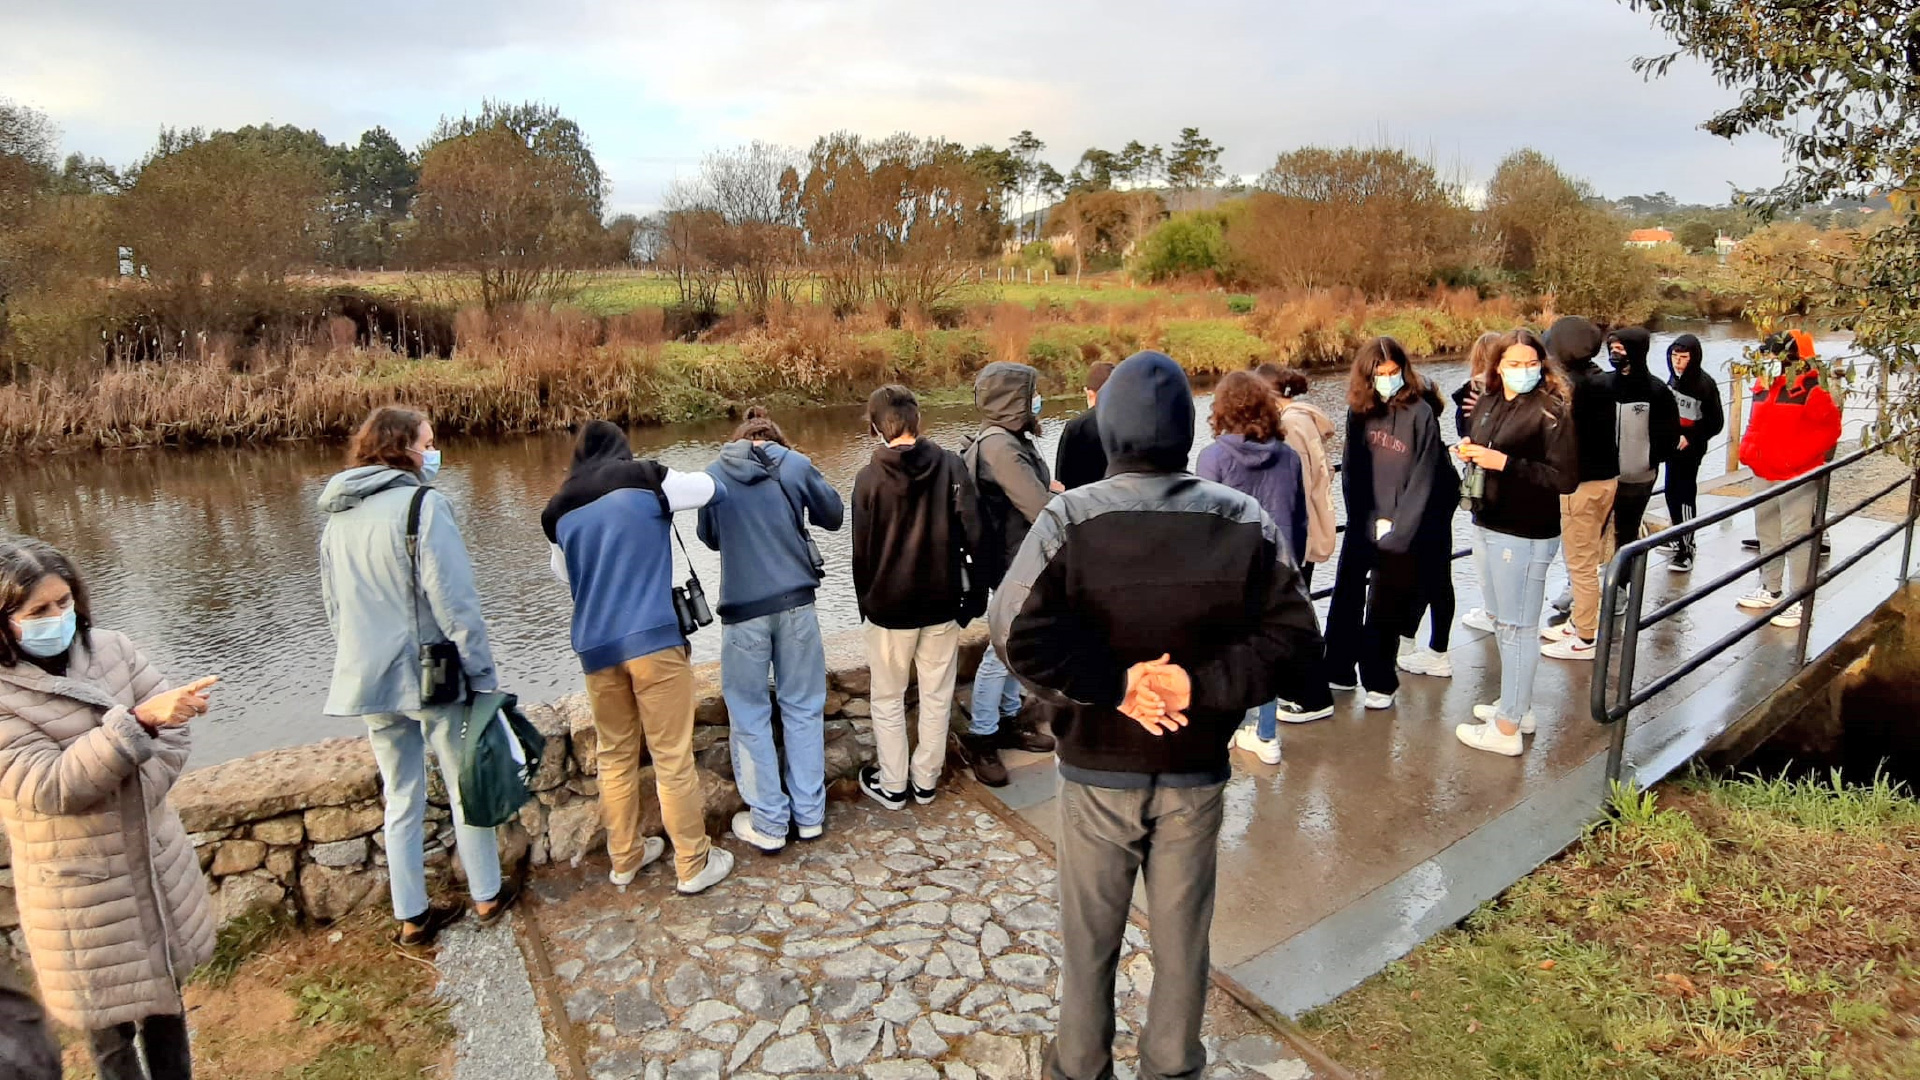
<point x="982" y="754"/>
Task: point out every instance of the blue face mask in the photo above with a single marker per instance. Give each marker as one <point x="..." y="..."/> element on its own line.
<point x="49" y="637"/>
<point x="1388" y="385"/>
<point x="1520" y="380"/>
<point x="1036" y="404"/>
<point x="429" y="464"/>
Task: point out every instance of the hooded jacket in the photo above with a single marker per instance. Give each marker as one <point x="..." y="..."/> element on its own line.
<point x="771" y="491"/>
<point x="611" y="529"/>
<point x="1646" y="418"/>
<point x="1391" y="468"/>
<point x="112" y="903"/>
<point x="1008" y="472"/>
<point x="915" y="517"/>
<point x="1270" y="472"/>
<point x="380" y="611"/>
<point x="1079" y="459"/>
<point x="1535" y="431"/>
<point x="1307" y="430"/>
<point x="1696" y="396"/>
<point x="1572" y="343"/>
<point x="1095" y="590"/>
<point x="1795" y="424"/>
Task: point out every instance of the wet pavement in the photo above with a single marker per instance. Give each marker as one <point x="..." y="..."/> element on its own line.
<point x="1379" y="829"/>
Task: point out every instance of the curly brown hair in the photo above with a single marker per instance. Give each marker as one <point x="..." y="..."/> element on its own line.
<point x="1243" y="406"/>
<point x="386" y="438"/>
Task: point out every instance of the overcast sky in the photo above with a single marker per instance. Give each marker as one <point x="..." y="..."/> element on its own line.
<point x="657" y="83"/>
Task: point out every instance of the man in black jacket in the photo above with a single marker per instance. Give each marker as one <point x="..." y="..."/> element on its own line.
<point x="914" y="523"/>
<point x="1080" y="461"/>
<point x="1586" y="515"/>
<point x="1012" y="481"/>
<point x="1648" y="429"/>
<point x="1151" y="661"/>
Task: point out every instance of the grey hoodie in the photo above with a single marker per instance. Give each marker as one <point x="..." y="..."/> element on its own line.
<point x="1007" y="469"/>
<point x="368" y="585"/>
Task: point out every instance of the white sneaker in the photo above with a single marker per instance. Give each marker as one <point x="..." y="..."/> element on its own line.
<point x="1571" y="648"/>
<point x="1344" y="688"/>
<point x="1379" y="701"/>
<point x="651" y="849"/>
<point x="719" y="865"/>
<point x="1485" y="714"/>
<point x="1559" y="631"/>
<point x="1789" y="618"/>
<point x="1478" y="619"/>
<point x="1427" y="662"/>
<point x="812" y="832"/>
<point x="1408" y="645"/>
<point x="1488" y="737"/>
<point x="1761" y="598"/>
<point x="1267" y="750"/>
<point x="744" y="832"/>
<point x="1290" y="715"/>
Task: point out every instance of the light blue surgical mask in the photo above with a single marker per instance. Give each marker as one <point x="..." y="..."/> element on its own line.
<point x="429" y="464"/>
<point x="1388" y="385"/>
<point x="49" y="637"/>
<point x="1520" y="380"/>
<point x="1036" y="404"/>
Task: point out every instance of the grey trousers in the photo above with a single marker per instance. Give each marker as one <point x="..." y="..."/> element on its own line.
<point x="1779" y="521"/>
<point x="1108" y="836"/>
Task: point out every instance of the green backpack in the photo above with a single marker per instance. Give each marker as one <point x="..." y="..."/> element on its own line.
<point x="500" y="756"/>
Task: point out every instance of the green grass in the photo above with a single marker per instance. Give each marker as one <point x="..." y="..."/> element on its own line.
<point x="1744" y="929"/>
<point x="243" y="938"/>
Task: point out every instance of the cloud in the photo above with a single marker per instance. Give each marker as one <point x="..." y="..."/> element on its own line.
<point x="657" y="85"/>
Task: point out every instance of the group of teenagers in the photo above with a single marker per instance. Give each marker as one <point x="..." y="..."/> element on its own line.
<point x="1147" y="610"/>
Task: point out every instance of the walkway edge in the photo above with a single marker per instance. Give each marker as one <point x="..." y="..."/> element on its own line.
<point x="1291" y="1033"/>
<point x="533" y="946"/>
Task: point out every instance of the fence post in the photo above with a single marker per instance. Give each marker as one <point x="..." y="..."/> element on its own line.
<point x="1629" y="643"/>
<point x="1913" y="510"/>
<point x="1809" y="581"/>
<point x="1736" y="418"/>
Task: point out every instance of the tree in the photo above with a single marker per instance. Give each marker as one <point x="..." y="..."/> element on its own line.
<point x="623" y="239"/>
<point x="1696" y="235"/>
<point x="547" y="133"/>
<point x="517" y="212"/>
<point x="1838" y="83"/>
<point x="212" y="212"/>
<point x="1025" y="149"/>
<point x="374" y="192"/>
<point x="1194" y="163"/>
<point x="754" y="190"/>
<point x="1553" y="241"/>
<point x="1141" y="165"/>
<point x="1096" y="171"/>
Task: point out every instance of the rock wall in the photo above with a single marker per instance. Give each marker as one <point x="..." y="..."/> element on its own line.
<point x="303" y="826"/>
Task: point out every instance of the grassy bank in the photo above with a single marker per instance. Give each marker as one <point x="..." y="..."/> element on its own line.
<point x="327" y="1003"/>
<point x="539" y="369"/>
<point x="1755" y="929"/>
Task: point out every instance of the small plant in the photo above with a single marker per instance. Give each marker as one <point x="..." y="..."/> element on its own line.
<point x="1241" y="304"/>
<point x="245" y="936"/>
<point x="1719" y="953"/>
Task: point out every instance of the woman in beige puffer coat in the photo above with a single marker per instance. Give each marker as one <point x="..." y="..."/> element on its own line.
<point x="112" y="902"/>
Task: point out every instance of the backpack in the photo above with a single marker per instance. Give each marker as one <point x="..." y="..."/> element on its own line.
<point x="990" y="563"/>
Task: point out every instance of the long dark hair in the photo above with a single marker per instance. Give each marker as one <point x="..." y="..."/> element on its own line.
<point x="23" y="564"/>
<point x="1551" y="380"/>
<point x="1360" y="395"/>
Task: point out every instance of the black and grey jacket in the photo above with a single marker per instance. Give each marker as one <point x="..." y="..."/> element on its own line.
<point x="1151" y="561"/>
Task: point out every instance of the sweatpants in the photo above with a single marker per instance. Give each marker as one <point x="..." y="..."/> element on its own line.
<point x="1376" y="600"/>
<point x="1683" y="494"/>
<point x="1108" y="838"/>
<point x="161" y="1039"/>
<point x="1630" y="501"/>
<point x="1433" y="557"/>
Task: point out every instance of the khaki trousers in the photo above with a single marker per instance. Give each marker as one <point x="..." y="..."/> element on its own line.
<point x="646" y="704"/>
<point x="1587" y="539"/>
<point x="932" y="653"/>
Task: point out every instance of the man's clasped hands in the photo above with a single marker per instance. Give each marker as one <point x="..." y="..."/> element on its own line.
<point x="1158" y="695"/>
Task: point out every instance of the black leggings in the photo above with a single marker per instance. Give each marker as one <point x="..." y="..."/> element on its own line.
<point x="1683" y="493"/>
<point x="1376" y="597"/>
<point x="1433" y="557"/>
<point x="163" y="1037"/>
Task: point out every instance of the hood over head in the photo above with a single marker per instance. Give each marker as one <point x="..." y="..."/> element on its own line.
<point x="601" y="441"/>
<point x="1004" y="392"/>
<point x="349" y="489"/>
<point x="1789" y="346"/>
<point x="1572" y="342"/>
<point x="1146" y="415"/>
<point x="745" y="463"/>
<point x="602" y="462"/>
<point x="1690" y="345"/>
<point x="1638" y="344"/>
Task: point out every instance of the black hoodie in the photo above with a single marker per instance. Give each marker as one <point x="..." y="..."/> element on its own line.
<point x="1697" y="396"/>
<point x="914" y="517"/>
<point x="1647" y="420"/>
<point x="1572" y="343"/>
<point x="1150" y="561"/>
<point x="602" y="462"/>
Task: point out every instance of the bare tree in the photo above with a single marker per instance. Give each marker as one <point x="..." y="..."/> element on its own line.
<point x="754" y="189"/>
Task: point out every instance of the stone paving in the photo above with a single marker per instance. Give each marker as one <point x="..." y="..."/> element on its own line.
<point x="910" y="945"/>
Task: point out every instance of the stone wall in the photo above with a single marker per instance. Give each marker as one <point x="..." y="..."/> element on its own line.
<point x="303" y="826"/>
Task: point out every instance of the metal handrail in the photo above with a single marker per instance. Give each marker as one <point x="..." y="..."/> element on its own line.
<point x="1612" y="700"/>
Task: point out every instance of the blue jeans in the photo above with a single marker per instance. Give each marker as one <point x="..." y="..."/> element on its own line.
<point x="996" y="694"/>
<point x="1266" y="722"/>
<point x="787" y="643"/>
<point x="400" y="747"/>
<point x="1515" y="586"/>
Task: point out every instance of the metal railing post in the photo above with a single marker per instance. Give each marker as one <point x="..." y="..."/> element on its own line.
<point x="1629" y="641"/>
<point x="1913" y="511"/>
<point x="1810" y="581"/>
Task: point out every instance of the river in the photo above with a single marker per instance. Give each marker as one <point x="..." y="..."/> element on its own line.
<point x="208" y="558"/>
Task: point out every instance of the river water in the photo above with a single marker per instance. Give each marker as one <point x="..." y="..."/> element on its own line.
<point x="209" y="558"/>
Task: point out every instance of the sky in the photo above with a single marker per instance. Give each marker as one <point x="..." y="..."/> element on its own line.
<point x="658" y="83"/>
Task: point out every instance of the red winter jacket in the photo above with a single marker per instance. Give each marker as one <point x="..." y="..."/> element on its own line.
<point x="1793" y="428"/>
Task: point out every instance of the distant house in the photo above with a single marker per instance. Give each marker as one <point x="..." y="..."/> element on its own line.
<point x="1647" y="238"/>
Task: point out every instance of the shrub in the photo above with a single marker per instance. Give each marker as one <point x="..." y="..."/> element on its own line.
<point x="1184" y="245"/>
<point x="1240" y="304"/>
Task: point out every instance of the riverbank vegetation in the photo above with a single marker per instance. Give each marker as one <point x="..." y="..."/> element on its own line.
<point x="1713" y="928"/>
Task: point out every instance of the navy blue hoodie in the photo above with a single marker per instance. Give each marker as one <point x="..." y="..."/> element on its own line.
<point x="1270" y="472"/>
<point x="763" y="561"/>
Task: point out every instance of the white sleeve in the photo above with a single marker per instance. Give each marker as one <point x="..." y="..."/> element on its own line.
<point x="687" y="491"/>
<point x="557" y="562"/>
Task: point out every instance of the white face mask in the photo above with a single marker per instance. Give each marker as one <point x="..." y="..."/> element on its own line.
<point x="429" y="464"/>
<point x="1036" y="404"/>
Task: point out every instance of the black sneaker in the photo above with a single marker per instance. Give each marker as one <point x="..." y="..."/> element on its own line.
<point x="982" y="755"/>
<point x="1680" y="564"/>
<point x="1751" y="543"/>
<point x="921" y="795"/>
<point x="870" y="783"/>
